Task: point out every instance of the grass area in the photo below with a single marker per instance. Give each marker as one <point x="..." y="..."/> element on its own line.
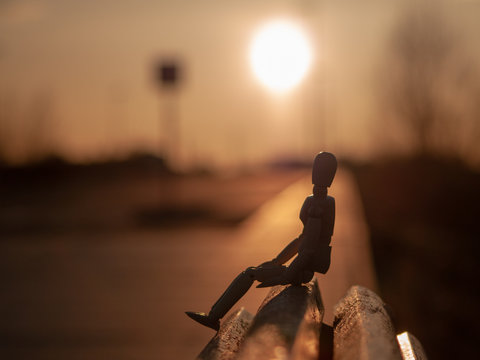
<point x="422" y="215"/>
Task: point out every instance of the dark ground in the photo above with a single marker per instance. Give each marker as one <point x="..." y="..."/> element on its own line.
<point x="423" y="218"/>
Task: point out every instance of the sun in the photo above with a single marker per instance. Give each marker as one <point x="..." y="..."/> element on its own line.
<point x="280" y="55"/>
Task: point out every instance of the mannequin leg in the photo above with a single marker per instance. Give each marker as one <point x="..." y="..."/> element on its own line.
<point x="295" y="274"/>
<point x="237" y="288"/>
<point x="240" y="286"/>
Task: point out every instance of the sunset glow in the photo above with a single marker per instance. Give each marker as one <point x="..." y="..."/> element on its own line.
<point x="280" y="55"/>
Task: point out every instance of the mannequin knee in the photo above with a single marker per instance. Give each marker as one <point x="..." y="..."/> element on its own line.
<point x="307" y="276"/>
<point x="249" y="272"/>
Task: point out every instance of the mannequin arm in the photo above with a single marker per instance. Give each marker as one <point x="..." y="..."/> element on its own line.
<point x="290" y="251"/>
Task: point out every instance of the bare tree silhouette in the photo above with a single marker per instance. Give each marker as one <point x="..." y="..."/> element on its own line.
<point x="431" y="86"/>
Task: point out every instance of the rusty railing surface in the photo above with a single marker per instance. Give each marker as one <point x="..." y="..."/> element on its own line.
<point x="288" y="325"/>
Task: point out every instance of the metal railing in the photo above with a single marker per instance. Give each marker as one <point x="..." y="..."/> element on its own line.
<point x="288" y="325"/>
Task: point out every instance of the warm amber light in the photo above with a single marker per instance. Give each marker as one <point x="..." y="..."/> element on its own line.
<point x="280" y="55"/>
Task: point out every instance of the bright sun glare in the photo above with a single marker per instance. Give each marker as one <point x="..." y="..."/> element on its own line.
<point x="280" y="55"/>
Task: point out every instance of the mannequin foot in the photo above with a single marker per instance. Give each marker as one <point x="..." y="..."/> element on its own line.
<point x="204" y="319"/>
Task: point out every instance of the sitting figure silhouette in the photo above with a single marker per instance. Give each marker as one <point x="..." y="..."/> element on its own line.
<point x="312" y="246"/>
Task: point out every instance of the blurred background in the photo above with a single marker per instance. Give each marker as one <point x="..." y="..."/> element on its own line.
<point x="138" y="137"/>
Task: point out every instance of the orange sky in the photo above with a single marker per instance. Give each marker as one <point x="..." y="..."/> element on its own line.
<point x="88" y="63"/>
